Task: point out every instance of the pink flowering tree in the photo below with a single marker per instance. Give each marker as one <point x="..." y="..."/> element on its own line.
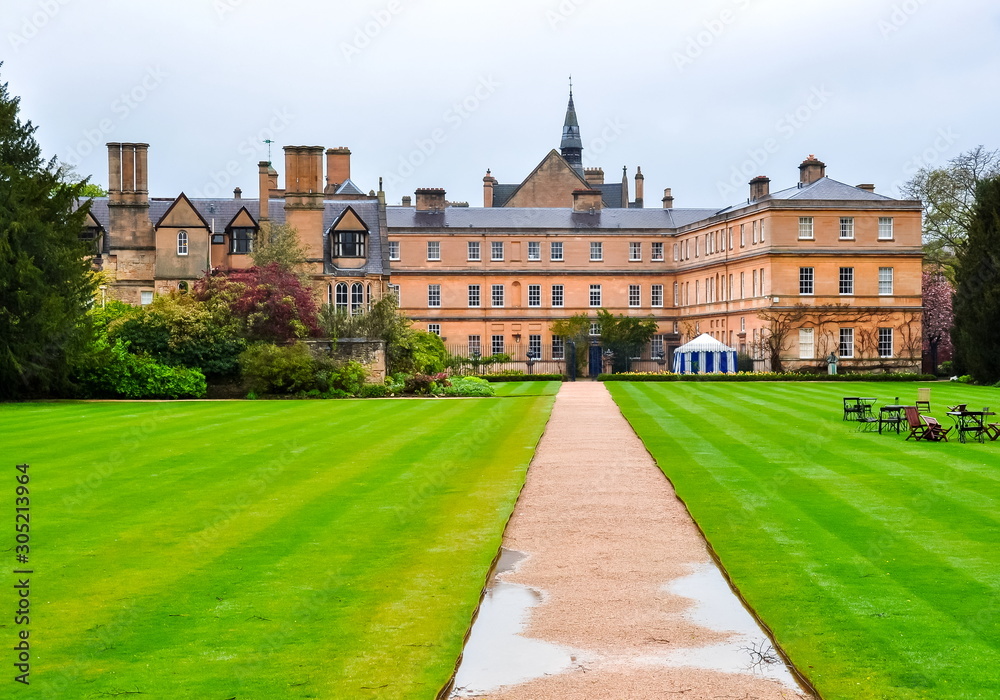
<point x="938" y="317"/>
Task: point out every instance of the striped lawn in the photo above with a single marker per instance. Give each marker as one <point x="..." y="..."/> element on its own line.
<point x="260" y="550"/>
<point x="526" y="388"/>
<point x="874" y="560"/>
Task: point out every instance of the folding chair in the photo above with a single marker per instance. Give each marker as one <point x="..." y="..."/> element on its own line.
<point x="924" y="400"/>
<point x="935" y="431"/>
<point x="917" y="428"/>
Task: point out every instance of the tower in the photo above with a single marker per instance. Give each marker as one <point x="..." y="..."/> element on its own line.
<point x="572" y="145"/>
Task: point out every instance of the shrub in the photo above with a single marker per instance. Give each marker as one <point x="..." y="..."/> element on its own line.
<point x="375" y="391"/>
<point x="113" y="372"/>
<point x="469" y="386"/>
<point x="946" y="368"/>
<point x="744" y="363"/>
<point x="425" y="383"/>
<point x="278" y="369"/>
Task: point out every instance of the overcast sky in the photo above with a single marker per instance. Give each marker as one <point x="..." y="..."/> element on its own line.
<point x="430" y="93"/>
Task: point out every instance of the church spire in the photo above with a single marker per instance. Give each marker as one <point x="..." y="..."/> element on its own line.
<point x="572" y="145"/>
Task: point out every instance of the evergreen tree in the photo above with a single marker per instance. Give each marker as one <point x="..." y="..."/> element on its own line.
<point x="976" y="333"/>
<point x="45" y="281"/>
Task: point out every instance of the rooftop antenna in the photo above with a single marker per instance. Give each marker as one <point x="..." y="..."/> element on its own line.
<point x="268" y="142"/>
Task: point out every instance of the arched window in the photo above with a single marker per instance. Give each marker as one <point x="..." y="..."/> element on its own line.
<point x="182" y="243"/>
<point x="342" y="296"/>
<point x="368" y="297"/>
<point x="182" y="287"/>
<point x="329" y="295"/>
<point x="357" y="298"/>
<point x="349" y="244"/>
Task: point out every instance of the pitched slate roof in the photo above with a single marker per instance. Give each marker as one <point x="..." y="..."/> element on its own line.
<point x="348" y="187"/>
<point x="606" y="220"/>
<point x="219" y="212"/>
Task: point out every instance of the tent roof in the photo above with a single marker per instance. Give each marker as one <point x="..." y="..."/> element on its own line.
<point x="704" y="343"/>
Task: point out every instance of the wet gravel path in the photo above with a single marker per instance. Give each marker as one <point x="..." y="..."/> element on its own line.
<point x="605" y="534"/>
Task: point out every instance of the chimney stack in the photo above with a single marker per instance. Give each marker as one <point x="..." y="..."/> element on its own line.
<point x="238" y="193"/>
<point x="668" y="199"/>
<point x="304" y="170"/>
<point x="639" y="187"/>
<point x="407" y="202"/>
<point x="587" y="200"/>
<point x="128" y="173"/>
<point x="760" y="187"/>
<point x="338" y="167"/>
<point x="594" y="176"/>
<point x="811" y="170"/>
<point x="264" y="170"/>
<point x="430" y="199"/>
<point x="867" y="188"/>
<point x="488" y="182"/>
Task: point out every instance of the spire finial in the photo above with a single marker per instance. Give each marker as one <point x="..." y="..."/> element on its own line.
<point x="570" y="84"/>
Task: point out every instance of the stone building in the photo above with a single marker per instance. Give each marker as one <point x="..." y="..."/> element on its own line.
<point x="149" y="246"/>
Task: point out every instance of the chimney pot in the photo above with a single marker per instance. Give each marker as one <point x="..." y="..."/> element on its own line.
<point x="760" y="186"/>
<point x="237" y="193"/>
<point x="668" y="199"/>
<point x="811" y="170"/>
<point x="430" y="199"/>
<point x="867" y="187"/>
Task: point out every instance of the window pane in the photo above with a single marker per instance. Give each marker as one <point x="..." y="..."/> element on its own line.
<point x="434" y="328"/>
<point x="847" y="280"/>
<point x="657" y="251"/>
<point x="474" y="298"/>
<point x="807" y="348"/>
<point x="847" y="342"/>
<point x="534" y="295"/>
<point x="434" y="295"/>
<point x="635" y="251"/>
<point x="634" y="295"/>
<point x="496" y="295"/>
<point x="433" y="250"/>
<point x="475" y="346"/>
<point x="394" y="250"/>
<point x="474" y="250"/>
<point x="557" y="295"/>
<point x="596" y="250"/>
<point x="558" y="348"/>
<point x="885" y="280"/>
<point x="496" y="343"/>
<point x="534" y="250"/>
<point x="535" y="346"/>
<point x="885" y="342"/>
<point x="496" y="251"/>
<point x="595" y="295"/>
<point x="884" y="228"/>
<point x="556" y="251"/>
<point x="805" y="227"/>
<point x="846" y="228"/>
<point x="656" y="294"/>
<point x="806" y="280"/>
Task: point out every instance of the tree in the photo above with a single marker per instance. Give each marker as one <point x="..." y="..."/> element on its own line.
<point x="949" y="195"/>
<point x="88" y="190"/>
<point x="977" y="289"/>
<point x="270" y="303"/>
<point x="45" y="280"/>
<point x="624" y="336"/>
<point x="938" y="317"/>
<point x="278" y="244"/>
<point x="576" y="330"/>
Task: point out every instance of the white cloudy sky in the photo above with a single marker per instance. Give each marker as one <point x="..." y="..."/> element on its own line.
<point x="431" y="93"/>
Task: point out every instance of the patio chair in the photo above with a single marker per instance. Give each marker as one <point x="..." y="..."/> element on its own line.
<point x="918" y="430"/>
<point x="852" y="408"/>
<point x="993" y="431"/>
<point x="923" y="400"/>
<point x="935" y="431"/>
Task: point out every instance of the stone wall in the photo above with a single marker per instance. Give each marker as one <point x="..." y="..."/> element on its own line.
<point x="370" y="353"/>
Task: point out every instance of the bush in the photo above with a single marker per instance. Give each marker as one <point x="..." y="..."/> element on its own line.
<point x="469" y="386"/>
<point x="349" y="378"/>
<point x="278" y="369"/>
<point x="376" y="391"/>
<point x="112" y="371"/>
<point x="425" y="383"/>
<point x="946" y="368"/>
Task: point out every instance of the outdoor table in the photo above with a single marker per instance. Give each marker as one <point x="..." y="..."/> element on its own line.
<point x="970" y="422"/>
<point x="892" y="416"/>
<point x="858" y="407"/>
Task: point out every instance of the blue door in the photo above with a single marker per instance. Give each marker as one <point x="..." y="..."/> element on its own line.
<point x="594" y="366"/>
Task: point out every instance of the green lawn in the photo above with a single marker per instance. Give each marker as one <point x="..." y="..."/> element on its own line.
<point x="260" y="550"/>
<point x="875" y="560"/>
<point x="526" y="388"/>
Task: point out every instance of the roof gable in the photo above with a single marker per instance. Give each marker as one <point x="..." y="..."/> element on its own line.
<point x="349" y="221"/>
<point x="550" y="184"/>
<point x="243" y="219"/>
<point x="182" y="214"/>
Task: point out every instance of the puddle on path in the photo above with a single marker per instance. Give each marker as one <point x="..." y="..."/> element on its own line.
<point x="496" y="654"/>
<point x="716" y="607"/>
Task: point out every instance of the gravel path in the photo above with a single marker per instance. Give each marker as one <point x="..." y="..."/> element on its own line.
<point x="605" y="534"/>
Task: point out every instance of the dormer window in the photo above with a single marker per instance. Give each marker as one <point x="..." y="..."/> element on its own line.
<point x="349" y="244"/>
<point x="241" y="238"/>
<point x="182" y="243"/>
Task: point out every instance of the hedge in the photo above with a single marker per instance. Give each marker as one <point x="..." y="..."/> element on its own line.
<point x="521" y="377"/>
<point x="764" y="377"/>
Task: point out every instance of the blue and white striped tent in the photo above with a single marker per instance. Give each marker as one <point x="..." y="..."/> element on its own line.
<point x="704" y="355"/>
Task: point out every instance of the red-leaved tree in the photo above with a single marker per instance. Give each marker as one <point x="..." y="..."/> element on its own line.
<point x="938" y="317"/>
<point x="270" y="302"/>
